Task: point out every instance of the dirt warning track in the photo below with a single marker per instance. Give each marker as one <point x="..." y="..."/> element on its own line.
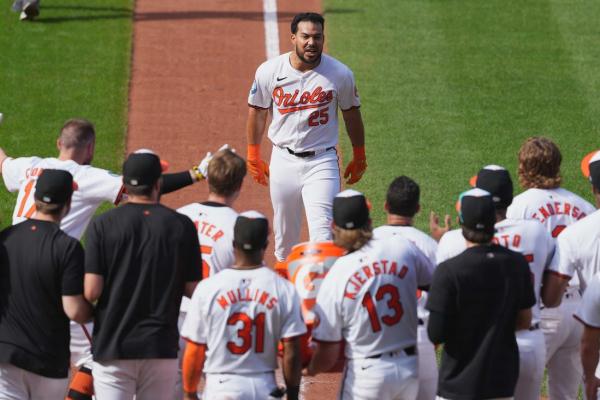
<point x="193" y="64"/>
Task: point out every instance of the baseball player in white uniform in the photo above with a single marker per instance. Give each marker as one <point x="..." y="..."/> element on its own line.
<point x="76" y="145"/>
<point x="401" y="205"/>
<point x="589" y="315"/>
<point x="556" y="208"/>
<point x="368" y="300"/>
<point x="530" y="239"/>
<point x="303" y="90"/>
<point x="235" y="321"/>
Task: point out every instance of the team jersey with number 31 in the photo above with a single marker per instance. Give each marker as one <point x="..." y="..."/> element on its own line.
<point x="369" y="298"/>
<point x="241" y="315"/>
<point x="304" y="103"/>
<point x="95" y="186"/>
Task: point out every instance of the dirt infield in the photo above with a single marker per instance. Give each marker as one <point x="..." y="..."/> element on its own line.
<point x="193" y="64"/>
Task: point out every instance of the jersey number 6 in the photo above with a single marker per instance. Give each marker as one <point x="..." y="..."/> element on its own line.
<point x="393" y="304"/>
<point x="245" y="333"/>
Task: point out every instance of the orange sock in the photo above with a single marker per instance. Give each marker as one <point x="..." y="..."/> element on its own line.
<point x="82" y="385"/>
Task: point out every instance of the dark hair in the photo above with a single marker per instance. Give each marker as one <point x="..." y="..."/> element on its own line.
<point x="53" y="209"/>
<point x="77" y="133"/>
<point x="474" y="236"/>
<point x="254" y="256"/>
<point x="226" y="172"/>
<point x="403" y="197"/>
<point x="309" y="16"/>
<point x="140" y="190"/>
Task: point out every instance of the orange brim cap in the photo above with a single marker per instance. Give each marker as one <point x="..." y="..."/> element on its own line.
<point x="585" y="162"/>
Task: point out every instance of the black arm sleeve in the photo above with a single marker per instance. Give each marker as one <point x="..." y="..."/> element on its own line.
<point x="437" y="327"/>
<point x="175" y="181"/>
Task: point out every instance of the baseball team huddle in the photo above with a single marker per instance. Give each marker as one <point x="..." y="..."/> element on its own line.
<point x="163" y="304"/>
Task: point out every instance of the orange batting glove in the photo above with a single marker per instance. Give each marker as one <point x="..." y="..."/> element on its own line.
<point x="357" y="167"/>
<point x="257" y="167"/>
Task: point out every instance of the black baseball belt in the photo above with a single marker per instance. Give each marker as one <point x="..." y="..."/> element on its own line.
<point x="410" y="351"/>
<point x="304" y="154"/>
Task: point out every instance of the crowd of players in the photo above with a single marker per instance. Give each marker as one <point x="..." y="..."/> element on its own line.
<point x="499" y="293"/>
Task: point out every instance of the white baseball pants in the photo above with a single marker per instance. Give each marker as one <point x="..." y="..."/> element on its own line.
<point x="80" y="345"/>
<point x="428" y="369"/>
<point x="18" y="384"/>
<point x="497" y="398"/>
<point x="532" y="359"/>
<point x="124" y="379"/>
<point x="239" y="386"/>
<point x="563" y="335"/>
<point x="393" y="376"/>
<point x="296" y="183"/>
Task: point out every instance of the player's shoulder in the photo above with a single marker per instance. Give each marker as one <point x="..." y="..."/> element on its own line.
<point x="586" y="227"/>
<point x="271" y="65"/>
<point x="334" y="64"/>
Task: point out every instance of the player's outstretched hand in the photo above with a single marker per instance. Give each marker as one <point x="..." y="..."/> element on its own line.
<point x="435" y="229"/>
<point x="203" y="166"/>
<point x="357" y="167"/>
<point x="257" y="167"/>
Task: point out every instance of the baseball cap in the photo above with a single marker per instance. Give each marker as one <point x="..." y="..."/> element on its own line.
<point x="54" y="186"/>
<point x="142" y="167"/>
<point x="350" y="209"/>
<point x="495" y="180"/>
<point x="590" y="167"/>
<point x="251" y="230"/>
<point x="477" y="210"/>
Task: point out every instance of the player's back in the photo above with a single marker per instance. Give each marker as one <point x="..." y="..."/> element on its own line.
<point x="376" y="286"/>
<point x="214" y="223"/>
<point x="94" y="186"/>
<point x="245" y="313"/>
<point x="555" y="208"/>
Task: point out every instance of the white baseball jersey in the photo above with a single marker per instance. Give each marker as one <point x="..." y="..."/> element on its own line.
<point x="241" y="315"/>
<point x="368" y="298"/>
<point x="555" y="208"/>
<point x="578" y="250"/>
<point x="304" y="103"/>
<point x="424" y="242"/>
<point x="95" y="186"/>
<point x="524" y="236"/>
<point x="589" y="309"/>
<point x="214" y="223"/>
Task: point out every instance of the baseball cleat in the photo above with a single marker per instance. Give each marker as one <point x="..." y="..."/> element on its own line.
<point x="30" y="11"/>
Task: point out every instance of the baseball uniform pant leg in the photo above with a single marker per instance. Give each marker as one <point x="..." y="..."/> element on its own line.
<point x="179" y="383"/>
<point x="17" y="384"/>
<point x="532" y="358"/>
<point x="384" y="378"/>
<point x="497" y="398"/>
<point x="563" y="335"/>
<point x="124" y="379"/>
<point x="285" y="185"/>
<point x="239" y="386"/>
<point x="428" y="369"/>
<point x="321" y="185"/>
<point x="80" y="345"/>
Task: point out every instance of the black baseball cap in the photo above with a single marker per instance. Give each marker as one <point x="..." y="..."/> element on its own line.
<point x="495" y="180"/>
<point x="142" y="167"/>
<point x="477" y="210"/>
<point x="54" y="186"/>
<point x="590" y="166"/>
<point x="251" y="231"/>
<point x="350" y="210"/>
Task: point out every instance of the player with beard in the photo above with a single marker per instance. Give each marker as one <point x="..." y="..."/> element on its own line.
<point x="304" y="89"/>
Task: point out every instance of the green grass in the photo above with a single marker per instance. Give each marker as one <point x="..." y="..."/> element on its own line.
<point x="72" y="62"/>
<point x="448" y="87"/>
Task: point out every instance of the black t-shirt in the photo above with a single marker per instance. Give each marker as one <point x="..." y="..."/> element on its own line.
<point x="480" y="292"/>
<point x="146" y="253"/>
<point x="38" y="265"/>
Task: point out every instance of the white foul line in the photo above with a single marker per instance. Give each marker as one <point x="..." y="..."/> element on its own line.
<point x="271" y="28"/>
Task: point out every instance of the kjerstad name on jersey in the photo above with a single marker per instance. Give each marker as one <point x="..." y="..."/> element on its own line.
<point x="360" y="277"/>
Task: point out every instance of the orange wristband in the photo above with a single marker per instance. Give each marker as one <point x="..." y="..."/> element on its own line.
<point x="254" y="152"/>
<point x="359" y="152"/>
